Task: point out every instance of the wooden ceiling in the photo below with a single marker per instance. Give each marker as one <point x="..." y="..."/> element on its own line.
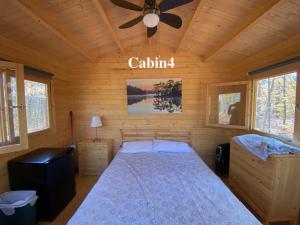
<point x="73" y="31"/>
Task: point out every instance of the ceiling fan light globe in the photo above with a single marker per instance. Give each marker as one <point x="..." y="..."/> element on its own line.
<point x="151" y="20"/>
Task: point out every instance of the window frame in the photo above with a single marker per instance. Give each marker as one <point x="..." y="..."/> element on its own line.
<point x="275" y="73"/>
<point x="247" y="105"/>
<point x="47" y="81"/>
<point x="23" y="145"/>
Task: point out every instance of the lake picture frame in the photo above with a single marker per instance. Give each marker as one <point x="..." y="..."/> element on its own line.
<point x="154" y="96"/>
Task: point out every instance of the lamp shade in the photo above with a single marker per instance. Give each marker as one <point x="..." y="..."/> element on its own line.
<point x="96" y="121"/>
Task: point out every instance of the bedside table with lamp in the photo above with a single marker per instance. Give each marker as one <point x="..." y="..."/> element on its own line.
<point x="94" y="155"/>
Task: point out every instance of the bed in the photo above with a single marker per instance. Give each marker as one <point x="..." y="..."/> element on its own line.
<point x="160" y="188"/>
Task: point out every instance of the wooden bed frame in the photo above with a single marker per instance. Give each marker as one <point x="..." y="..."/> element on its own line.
<point x="163" y="134"/>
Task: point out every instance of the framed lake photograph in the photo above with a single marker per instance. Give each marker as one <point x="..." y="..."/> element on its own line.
<point x="151" y="96"/>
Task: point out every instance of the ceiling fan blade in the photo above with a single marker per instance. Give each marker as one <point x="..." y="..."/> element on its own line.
<point x="131" y="22"/>
<point x="150" y="2"/>
<point x="151" y="31"/>
<point x="171" y="4"/>
<point x="127" y="5"/>
<point x="171" y="19"/>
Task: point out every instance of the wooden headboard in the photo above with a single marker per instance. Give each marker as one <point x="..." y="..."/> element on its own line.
<point x="149" y="134"/>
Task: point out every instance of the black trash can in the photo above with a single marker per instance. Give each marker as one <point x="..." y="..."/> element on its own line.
<point x="18" y="207"/>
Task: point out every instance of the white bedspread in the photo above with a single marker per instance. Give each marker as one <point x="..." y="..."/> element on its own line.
<point x="161" y="189"/>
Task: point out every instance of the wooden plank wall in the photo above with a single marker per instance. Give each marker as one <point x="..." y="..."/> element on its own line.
<point x="100" y="89"/>
<point x="61" y="88"/>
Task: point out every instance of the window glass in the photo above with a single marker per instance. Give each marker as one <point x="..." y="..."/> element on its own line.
<point x="37" y="106"/>
<point x="275" y="105"/>
<point x="229" y="108"/>
<point x="9" y="115"/>
<point x="14" y="101"/>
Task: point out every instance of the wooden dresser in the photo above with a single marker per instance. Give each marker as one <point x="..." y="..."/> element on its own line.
<point x="94" y="157"/>
<point x="271" y="188"/>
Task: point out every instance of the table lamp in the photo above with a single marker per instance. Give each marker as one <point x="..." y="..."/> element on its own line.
<point x="95" y="123"/>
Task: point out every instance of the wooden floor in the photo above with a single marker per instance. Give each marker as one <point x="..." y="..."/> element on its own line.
<point x="83" y="186"/>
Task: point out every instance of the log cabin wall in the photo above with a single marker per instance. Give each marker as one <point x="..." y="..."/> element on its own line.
<point x="60" y="135"/>
<point x="100" y="89"/>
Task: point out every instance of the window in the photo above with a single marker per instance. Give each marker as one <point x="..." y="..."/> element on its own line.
<point x="12" y="113"/>
<point x="37" y="105"/>
<point x="228" y="105"/>
<point x="275" y="105"/>
<point x="15" y="93"/>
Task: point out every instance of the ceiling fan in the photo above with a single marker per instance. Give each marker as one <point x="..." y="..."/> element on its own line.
<point x="153" y="13"/>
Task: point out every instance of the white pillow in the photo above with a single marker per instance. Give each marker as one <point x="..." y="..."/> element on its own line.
<point x="170" y="146"/>
<point x="136" y="146"/>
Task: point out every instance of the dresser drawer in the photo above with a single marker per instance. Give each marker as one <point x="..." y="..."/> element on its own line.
<point x="91" y="147"/>
<point x="94" y="157"/>
<point x="93" y="154"/>
<point x="261" y="177"/>
<point x="252" y="177"/>
<point x="88" y="160"/>
<point x="251" y="187"/>
<point x="259" y="167"/>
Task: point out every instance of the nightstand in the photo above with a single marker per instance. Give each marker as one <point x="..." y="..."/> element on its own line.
<point x="94" y="157"/>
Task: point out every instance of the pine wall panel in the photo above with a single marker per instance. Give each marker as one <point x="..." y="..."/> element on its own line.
<point x="100" y="89"/>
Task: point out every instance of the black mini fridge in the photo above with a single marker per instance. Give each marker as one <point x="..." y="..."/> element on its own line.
<point x="49" y="171"/>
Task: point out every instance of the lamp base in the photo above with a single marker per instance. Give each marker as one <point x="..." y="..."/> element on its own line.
<point x="96" y="139"/>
